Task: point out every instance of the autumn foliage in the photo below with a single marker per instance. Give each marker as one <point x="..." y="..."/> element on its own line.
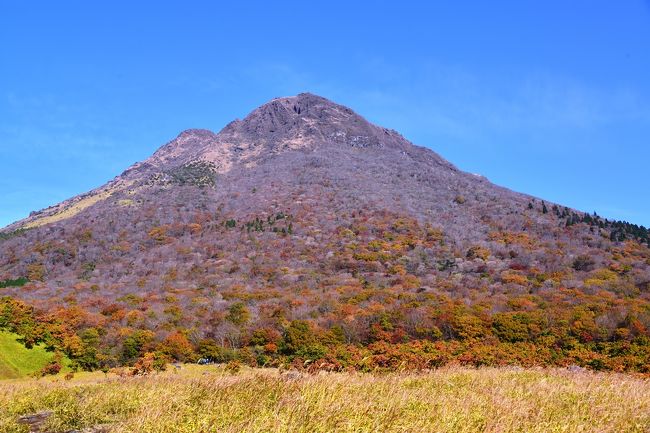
<point x="385" y="293"/>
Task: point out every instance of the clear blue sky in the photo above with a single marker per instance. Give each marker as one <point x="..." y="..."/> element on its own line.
<point x="549" y="98"/>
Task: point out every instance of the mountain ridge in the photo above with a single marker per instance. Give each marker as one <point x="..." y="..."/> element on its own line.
<point x="287" y="123"/>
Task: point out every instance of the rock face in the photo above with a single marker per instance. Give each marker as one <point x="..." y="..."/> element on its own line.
<point x="299" y="199"/>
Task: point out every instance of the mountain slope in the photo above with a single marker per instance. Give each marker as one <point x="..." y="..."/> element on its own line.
<point x="305" y="211"/>
<point x="305" y="123"/>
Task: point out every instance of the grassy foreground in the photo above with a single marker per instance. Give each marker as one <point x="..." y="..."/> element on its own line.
<point x="208" y="399"/>
<point x="18" y="361"/>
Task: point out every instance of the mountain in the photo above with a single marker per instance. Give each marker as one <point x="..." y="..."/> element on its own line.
<point x="304" y="215"/>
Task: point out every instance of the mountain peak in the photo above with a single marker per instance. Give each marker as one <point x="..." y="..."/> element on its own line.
<point x="308" y="120"/>
<point x="304" y="108"/>
<point x="195" y="133"/>
<point x="186" y="145"/>
<point x="291" y="127"/>
<point x="303" y="104"/>
<point x="305" y="122"/>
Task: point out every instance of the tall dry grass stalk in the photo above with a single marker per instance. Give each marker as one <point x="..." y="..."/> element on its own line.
<point x="208" y="399"/>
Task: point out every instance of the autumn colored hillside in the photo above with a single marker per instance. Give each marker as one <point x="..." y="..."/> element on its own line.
<point x="305" y="235"/>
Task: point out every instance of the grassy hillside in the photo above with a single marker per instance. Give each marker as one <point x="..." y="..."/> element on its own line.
<point x="206" y="399"/>
<point x="18" y="361"/>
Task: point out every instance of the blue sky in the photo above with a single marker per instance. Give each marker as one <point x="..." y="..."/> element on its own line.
<point x="549" y="98"/>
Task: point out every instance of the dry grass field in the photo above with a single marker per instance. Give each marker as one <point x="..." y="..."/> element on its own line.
<point x="210" y="399"/>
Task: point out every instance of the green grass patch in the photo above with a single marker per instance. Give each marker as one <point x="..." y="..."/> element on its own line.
<point x="17" y="361"/>
<point x="18" y="282"/>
